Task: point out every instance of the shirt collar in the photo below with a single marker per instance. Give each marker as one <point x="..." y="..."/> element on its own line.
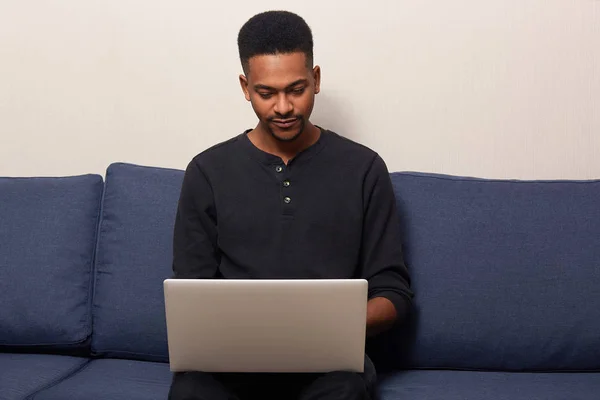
<point x="271" y="159"/>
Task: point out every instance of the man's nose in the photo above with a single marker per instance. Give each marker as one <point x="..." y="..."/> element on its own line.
<point x="283" y="106"/>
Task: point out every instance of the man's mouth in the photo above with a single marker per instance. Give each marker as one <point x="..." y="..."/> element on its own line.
<point x="284" y="123"/>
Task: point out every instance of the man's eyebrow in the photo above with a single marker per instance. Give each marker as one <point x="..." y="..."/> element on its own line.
<point x="269" y="88"/>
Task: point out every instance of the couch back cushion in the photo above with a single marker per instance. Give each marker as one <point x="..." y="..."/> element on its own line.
<point x="47" y="241"/>
<point x="506" y="274"/>
<point x="133" y="258"/>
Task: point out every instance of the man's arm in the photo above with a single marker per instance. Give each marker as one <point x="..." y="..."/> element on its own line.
<point x="382" y="262"/>
<point x="195" y="252"/>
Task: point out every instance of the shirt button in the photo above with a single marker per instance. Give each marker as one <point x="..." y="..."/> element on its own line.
<point x="279" y="168"/>
<point x="286" y="183"/>
<point x="287" y="200"/>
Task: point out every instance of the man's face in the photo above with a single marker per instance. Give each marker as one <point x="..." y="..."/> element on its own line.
<point x="282" y="91"/>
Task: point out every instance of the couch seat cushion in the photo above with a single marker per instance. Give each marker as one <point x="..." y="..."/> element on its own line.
<point x="21" y="375"/>
<point x="466" y="385"/>
<point x="111" y="379"/>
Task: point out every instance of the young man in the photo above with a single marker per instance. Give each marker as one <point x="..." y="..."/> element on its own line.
<point x="288" y="200"/>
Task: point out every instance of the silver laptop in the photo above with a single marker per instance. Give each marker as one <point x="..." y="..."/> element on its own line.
<point x="266" y="325"/>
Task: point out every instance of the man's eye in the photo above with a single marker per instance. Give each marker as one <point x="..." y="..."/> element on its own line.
<point x="265" y="95"/>
<point x="298" y="90"/>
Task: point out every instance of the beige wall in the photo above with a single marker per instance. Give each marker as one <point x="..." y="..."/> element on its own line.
<point x="495" y="88"/>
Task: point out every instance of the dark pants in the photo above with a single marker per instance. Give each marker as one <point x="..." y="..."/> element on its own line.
<point x="330" y="386"/>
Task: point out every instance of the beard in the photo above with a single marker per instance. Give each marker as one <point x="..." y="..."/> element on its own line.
<point x="285" y="135"/>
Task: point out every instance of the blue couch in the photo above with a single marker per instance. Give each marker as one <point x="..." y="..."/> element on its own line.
<point x="506" y="276"/>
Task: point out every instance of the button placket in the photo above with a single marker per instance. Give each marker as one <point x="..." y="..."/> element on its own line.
<point x="286" y="184"/>
<point x="286" y="195"/>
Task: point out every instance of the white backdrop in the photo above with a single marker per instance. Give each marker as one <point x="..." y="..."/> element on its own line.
<point x="490" y="88"/>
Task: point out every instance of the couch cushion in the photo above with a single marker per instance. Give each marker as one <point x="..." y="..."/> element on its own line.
<point x="506" y="273"/>
<point x="24" y="374"/>
<point x="114" y="380"/>
<point x="47" y="239"/>
<point x="463" y="385"/>
<point x="134" y="256"/>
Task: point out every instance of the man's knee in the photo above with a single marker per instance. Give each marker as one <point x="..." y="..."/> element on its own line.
<point x="338" y="385"/>
<point x="351" y="385"/>
<point x="196" y="386"/>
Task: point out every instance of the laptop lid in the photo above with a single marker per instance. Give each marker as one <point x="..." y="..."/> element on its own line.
<point x="266" y="325"/>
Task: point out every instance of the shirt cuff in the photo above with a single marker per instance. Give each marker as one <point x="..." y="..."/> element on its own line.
<point x="401" y="303"/>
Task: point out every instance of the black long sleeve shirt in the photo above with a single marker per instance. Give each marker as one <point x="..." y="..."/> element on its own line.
<point x="330" y="213"/>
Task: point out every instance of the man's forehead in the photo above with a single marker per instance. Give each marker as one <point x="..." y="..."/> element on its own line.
<point x="277" y="70"/>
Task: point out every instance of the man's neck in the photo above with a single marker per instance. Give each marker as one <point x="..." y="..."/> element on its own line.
<point x="285" y="150"/>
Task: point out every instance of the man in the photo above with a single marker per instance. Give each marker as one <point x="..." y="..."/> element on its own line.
<point x="288" y="200"/>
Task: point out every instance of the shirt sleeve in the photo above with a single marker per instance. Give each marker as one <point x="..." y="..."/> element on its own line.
<point x="382" y="261"/>
<point x="195" y="251"/>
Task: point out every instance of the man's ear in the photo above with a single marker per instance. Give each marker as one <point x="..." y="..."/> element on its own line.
<point x="317" y="78"/>
<point x="244" y="85"/>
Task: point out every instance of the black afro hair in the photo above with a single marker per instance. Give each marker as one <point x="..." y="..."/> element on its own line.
<point x="274" y="32"/>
